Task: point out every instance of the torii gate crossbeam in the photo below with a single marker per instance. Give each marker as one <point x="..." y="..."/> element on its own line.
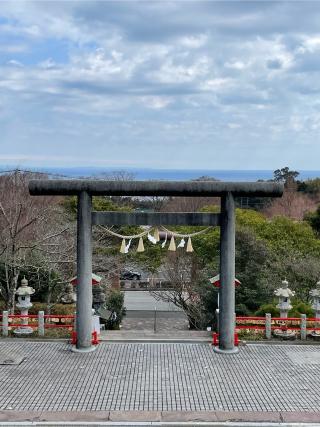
<point x="85" y="189"/>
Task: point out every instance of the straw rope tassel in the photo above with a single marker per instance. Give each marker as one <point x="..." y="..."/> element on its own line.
<point x="182" y="243"/>
<point x="189" y="245"/>
<point x="140" y="245"/>
<point x="163" y="244"/>
<point x="126" y="249"/>
<point x="172" y="246"/>
<point x="156" y="234"/>
<point x="123" y="247"/>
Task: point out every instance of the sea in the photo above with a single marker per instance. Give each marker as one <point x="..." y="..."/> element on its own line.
<point x="162" y="174"/>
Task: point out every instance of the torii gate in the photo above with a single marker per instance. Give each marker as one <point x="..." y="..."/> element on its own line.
<point x="85" y="189"/>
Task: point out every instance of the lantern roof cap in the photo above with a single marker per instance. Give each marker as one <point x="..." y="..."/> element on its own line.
<point x="284" y="292"/>
<point x="316" y="291"/>
<point x="24" y="289"/>
<point x="95" y="279"/>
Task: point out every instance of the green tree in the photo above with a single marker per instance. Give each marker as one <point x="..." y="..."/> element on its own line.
<point x="251" y="269"/>
<point x="99" y="203"/>
<point x="313" y="218"/>
<point x="281" y="234"/>
<point x="310" y="186"/>
<point x="115" y="304"/>
<point x="151" y="259"/>
<point x="267" y="251"/>
<point x="285" y="175"/>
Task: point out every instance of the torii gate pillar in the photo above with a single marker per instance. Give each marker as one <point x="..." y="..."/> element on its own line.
<point x="84" y="273"/>
<point x="227" y="275"/>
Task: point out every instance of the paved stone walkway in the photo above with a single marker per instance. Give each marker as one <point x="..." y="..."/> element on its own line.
<point x="163" y="320"/>
<point x="160" y="377"/>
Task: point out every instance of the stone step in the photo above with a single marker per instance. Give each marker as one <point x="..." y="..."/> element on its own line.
<point x="150" y="336"/>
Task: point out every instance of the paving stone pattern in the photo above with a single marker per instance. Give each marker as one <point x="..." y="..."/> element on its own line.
<point x="159" y="377"/>
<point x="164" y="322"/>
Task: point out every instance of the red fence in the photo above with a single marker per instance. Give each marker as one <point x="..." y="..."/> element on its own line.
<point x="287" y="323"/>
<point x="41" y="322"/>
<point x="50" y="321"/>
<point x="255" y="323"/>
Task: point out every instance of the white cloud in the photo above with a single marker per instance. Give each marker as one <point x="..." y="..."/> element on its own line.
<point x="236" y="65"/>
<point x="142" y="73"/>
<point x="156" y="102"/>
<point x="177" y="71"/>
<point x="310" y="44"/>
<point x="15" y="63"/>
<point x="218" y="84"/>
<point x="234" y="125"/>
<point x="194" y="42"/>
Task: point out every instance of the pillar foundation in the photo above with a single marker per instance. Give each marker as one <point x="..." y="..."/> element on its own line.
<point x="219" y="350"/>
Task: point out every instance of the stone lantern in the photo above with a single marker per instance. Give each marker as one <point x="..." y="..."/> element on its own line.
<point x="24" y="292"/>
<point x="98" y="293"/>
<point x="69" y="296"/>
<point x="284" y="294"/>
<point x="98" y="297"/>
<point x="315" y="295"/>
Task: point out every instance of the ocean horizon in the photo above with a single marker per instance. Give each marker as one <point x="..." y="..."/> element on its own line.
<point x="161" y="174"/>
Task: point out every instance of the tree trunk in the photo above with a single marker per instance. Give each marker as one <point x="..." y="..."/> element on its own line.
<point x="13" y="288"/>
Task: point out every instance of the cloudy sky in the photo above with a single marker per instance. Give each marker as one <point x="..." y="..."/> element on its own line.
<point x="163" y="84"/>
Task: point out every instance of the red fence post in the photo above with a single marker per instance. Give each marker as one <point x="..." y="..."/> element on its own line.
<point x="268" y="326"/>
<point x="74" y="337"/>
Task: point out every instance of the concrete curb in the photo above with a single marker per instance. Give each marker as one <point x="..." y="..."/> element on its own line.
<point x="164" y="417"/>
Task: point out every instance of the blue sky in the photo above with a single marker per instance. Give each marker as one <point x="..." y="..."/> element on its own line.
<point x="163" y="84"/>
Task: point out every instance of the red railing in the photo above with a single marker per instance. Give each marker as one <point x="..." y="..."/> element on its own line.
<point x="259" y="323"/>
<point x="58" y="324"/>
<point x="47" y="323"/>
<point x="268" y="324"/>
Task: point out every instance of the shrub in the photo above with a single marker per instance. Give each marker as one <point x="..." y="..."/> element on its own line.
<point x="301" y="308"/>
<point x="242" y="310"/>
<point x="115" y="303"/>
<point x="268" y="308"/>
<point x="298" y="308"/>
<point x="251" y="334"/>
<point x="65" y="309"/>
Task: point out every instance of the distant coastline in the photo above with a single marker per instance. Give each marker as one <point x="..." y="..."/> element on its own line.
<point x="164" y="174"/>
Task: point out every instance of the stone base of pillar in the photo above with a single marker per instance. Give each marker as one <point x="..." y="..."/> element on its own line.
<point x="74" y="349"/>
<point x="218" y="350"/>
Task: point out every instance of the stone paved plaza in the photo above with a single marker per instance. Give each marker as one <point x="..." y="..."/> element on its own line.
<point x="159" y="377"/>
